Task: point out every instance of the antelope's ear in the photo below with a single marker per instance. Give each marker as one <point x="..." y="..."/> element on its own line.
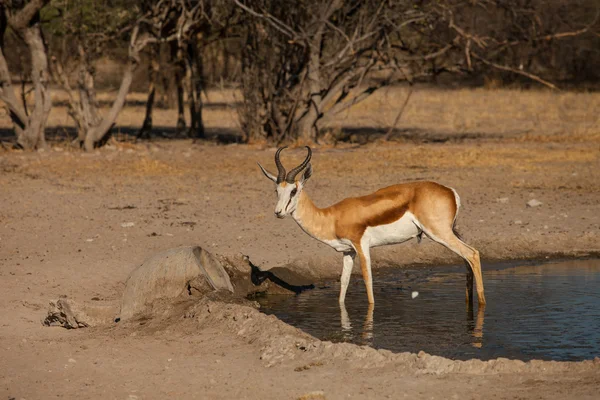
<point x="268" y="174"/>
<point x="307" y="173"/>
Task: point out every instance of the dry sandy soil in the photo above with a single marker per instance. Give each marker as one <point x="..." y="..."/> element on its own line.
<point x="61" y="233"/>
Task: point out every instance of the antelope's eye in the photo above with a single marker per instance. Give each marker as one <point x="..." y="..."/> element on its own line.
<point x="294" y="191"/>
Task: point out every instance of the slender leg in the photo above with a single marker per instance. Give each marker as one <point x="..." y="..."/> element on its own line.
<point x="346" y="272"/>
<point x="365" y="265"/>
<point x="469" y="289"/>
<point x="344" y="281"/>
<point x="448" y="239"/>
<point x="475" y="264"/>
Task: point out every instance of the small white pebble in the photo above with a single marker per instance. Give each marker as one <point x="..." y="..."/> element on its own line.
<point x="534" y="203"/>
<point x="127" y="224"/>
<point x="414" y="294"/>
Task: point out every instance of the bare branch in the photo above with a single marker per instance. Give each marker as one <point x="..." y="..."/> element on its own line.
<point x="274" y="22"/>
<point x="468" y="54"/>
<point x="573" y="33"/>
<point x="516" y="71"/>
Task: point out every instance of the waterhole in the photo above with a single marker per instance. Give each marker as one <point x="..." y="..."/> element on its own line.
<point x="549" y="311"/>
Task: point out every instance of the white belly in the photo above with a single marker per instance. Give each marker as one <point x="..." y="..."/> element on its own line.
<point x="339" y="244"/>
<point x="397" y="232"/>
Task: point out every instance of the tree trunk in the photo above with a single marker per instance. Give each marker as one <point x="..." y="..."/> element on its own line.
<point x="29" y="129"/>
<point x="153" y="72"/>
<point x="88" y="106"/>
<point x="168" y="77"/>
<point x="196" y="78"/>
<point x="97" y="133"/>
<point x="307" y="125"/>
<point x="179" y="64"/>
<point x="34" y="136"/>
<point x="16" y="110"/>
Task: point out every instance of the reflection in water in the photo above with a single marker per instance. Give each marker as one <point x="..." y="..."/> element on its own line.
<point x="474" y="325"/>
<point x="549" y="312"/>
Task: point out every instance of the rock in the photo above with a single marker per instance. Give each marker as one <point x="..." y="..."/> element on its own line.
<point x="127" y="224"/>
<point x="518" y="222"/>
<point x="414" y="294"/>
<point x="62" y="314"/>
<point x="71" y="315"/>
<point x="170" y="274"/>
<point x="502" y="200"/>
<point x="534" y="203"/>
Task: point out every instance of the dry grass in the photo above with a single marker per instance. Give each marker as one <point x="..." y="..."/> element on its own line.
<point x="515" y="157"/>
<point x="530" y="116"/>
<point x="504" y="112"/>
<point x="537" y="129"/>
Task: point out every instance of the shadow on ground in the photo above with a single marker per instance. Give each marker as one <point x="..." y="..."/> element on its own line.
<point x="350" y="134"/>
<point x="363" y="135"/>
<point x="59" y="134"/>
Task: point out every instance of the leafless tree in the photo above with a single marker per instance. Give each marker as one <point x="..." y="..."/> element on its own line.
<point x="211" y="21"/>
<point x="166" y="66"/>
<point x="307" y="62"/>
<point x="304" y="62"/>
<point x="520" y="37"/>
<point x="24" y="19"/>
<point x="163" y="21"/>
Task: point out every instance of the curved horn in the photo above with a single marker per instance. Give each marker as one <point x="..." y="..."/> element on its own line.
<point x="280" y="168"/>
<point x="291" y="176"/>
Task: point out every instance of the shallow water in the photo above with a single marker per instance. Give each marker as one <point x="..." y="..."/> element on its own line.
<point x="549" y="312"/>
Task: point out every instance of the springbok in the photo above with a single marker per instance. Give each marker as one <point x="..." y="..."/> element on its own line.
<point x="391" y="215"/>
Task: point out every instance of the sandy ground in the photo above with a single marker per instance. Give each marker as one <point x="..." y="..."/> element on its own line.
<point x="61" y="233"/>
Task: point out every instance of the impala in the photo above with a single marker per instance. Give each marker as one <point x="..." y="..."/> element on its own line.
<point x="391" y="215"/>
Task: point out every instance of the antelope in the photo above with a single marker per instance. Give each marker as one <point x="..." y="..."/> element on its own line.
<point x="391" y="215"/>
